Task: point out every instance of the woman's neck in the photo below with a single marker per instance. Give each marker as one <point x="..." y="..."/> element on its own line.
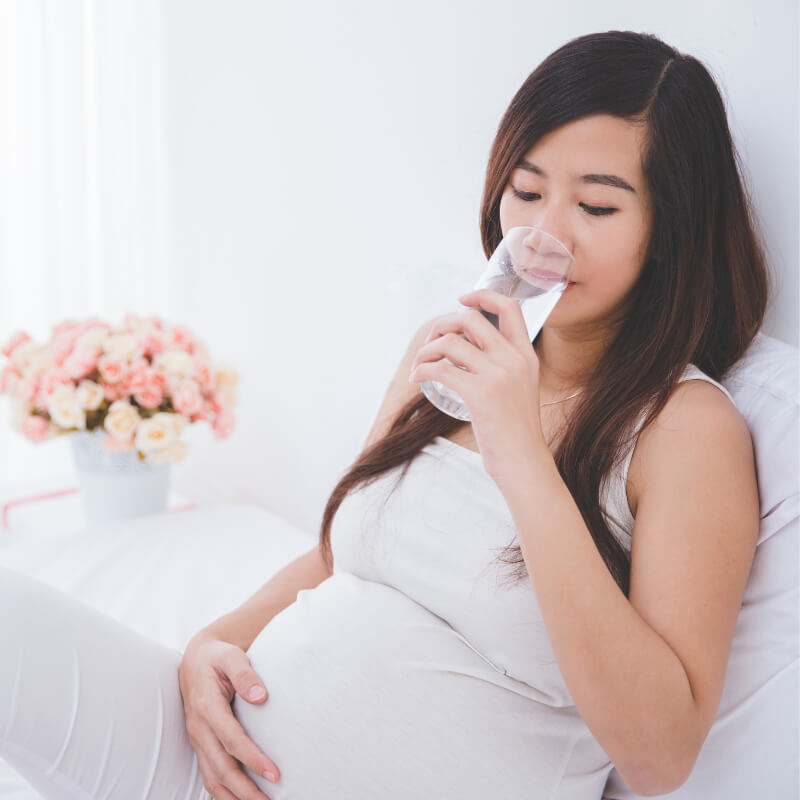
<point x="566" y="359"/>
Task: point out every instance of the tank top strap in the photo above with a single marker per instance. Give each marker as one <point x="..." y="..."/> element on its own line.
<point x="613" y="493"/>
<point x="693" y="373"/>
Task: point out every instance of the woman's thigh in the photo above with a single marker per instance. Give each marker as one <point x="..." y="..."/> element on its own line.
<point x="88" y="707"/>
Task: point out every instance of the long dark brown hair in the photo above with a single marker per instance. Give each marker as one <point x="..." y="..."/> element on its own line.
<point x="702" y="292"/>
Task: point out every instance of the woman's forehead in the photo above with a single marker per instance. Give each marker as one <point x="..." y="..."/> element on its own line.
<point x="600" y="145"/>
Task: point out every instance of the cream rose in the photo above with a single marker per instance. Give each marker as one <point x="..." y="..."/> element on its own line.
<point x="226" y="377"/>
<point x="177" y="363"/>
<point x="93" y="339"/>
<point x="228" y="395"/>
<point x="122" y="346"/>
<point x="40" y="362"/>
<point x="177" y="421"/>
<point x="121" y="420"/>
<point x="23" y="354"/>
<point x="170" y="454"/>
<point x="155" y="433"/>
<point x="90" y="395"/>
<point x="65" y="408"/>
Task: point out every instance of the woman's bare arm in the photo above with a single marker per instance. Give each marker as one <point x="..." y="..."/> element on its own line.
<point x="646" y="672"/>
<point x="243" y="624"/>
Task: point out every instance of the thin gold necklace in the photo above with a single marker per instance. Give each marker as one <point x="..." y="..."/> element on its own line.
<point x="562" y="400"/>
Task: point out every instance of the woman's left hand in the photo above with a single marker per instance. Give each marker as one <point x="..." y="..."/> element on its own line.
<point x="500" y="382"/>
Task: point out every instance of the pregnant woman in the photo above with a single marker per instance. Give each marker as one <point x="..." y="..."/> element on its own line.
<point x="505" y="608"/>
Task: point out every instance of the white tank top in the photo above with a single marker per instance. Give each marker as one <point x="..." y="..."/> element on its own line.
<point x="414" y="671"/>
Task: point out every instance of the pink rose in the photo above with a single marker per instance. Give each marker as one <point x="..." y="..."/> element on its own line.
<point x="148" y="396"/>
<point x="112" y="370"/>
<point x="114" y="391"/>
<point x="53" y="377"/>
<point x="67" y="326"/>
<point x="181" y="338"/>
<point x="26" y="389"/>
<point x="9" y="378"/>
<point x="187" y="398"/>
<point x="204" y="374"/>
<point x="205" y="414"/>
<point x="151" y="345"/>
<point x="35" y="428"/>
<point x="160" y="378"/>
<point x="16" y="339"/>
<point x="224" y="422"/>
<point x="50" y="380"/>
<point x="138" y="374"/>
<point x="199" y="351"/>
<point x="61" y="348"/>
<point x="218" y="400"/>
<point x="81" y="363"/>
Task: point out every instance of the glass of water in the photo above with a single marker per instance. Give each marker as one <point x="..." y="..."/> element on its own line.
<point x="534" y="268"/>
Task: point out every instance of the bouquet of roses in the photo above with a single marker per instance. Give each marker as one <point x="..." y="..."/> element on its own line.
<point x="141" y="382"/>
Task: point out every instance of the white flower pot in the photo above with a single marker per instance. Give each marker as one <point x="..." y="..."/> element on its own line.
<point x="115" y="486"/>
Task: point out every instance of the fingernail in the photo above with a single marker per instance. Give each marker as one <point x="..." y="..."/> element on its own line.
<point x="270" y="776"/>
<point x="255" y="692"/>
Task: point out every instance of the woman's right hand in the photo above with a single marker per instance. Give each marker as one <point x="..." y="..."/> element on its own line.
<point x="211" y="672"/>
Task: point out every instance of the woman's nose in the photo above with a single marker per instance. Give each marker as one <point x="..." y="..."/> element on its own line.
<point x="553" y="220"/>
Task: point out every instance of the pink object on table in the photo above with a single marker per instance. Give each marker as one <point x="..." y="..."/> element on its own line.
<point x="7" y="506"/>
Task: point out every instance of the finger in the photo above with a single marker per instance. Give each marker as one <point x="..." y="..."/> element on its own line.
<point x="222" y="771"/>
<point x="473" y="325"/>
<point x="235" y="666"/>
<point x="454" y="347"/>
<point x="444" y="323"/>
<point x="511" y="322"/>
<point x="452" y="377"/>
<point x="235" y="741"/>
<point x="244" y="678"/>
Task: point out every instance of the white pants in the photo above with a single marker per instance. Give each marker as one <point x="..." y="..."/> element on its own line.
<point x="88" y="707"/>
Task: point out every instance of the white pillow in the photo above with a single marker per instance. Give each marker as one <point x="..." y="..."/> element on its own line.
<point x="752" y="749"/>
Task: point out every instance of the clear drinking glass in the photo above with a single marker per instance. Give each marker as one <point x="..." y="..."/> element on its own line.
<point x="534" y="268"/>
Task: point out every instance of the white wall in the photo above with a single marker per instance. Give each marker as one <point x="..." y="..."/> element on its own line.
<point x="326" y="163"/>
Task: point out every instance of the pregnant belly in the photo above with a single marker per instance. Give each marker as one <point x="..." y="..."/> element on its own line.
<point x="372" y="696"/>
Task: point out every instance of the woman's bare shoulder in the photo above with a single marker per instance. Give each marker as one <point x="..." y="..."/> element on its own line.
<point x="697" y="415"/>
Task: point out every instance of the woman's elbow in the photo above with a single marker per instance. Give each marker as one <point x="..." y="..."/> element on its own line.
<point x="653" y="779"/>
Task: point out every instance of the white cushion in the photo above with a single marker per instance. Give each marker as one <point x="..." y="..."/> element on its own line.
<point x="752" y="748"/>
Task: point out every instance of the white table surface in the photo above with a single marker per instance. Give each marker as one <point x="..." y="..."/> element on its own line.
<point x="38" y="514"/>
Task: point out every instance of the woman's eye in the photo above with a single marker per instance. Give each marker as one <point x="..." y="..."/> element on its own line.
<point x="524" y="195"/>
<point x="597" y="211"/>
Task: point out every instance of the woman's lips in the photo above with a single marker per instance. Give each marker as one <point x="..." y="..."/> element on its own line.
<point x="543" y="275"/>
<point x="546" y="275"/>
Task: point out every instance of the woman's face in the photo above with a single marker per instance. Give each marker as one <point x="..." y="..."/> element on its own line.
<point x="583" y="183"/>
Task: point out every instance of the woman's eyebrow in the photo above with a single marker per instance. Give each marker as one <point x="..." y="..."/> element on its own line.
<point x="605" y="180"/>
